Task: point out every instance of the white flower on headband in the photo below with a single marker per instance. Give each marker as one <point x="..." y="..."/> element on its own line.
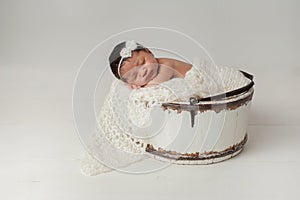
<point x="129" y="47"/>
<point x="131" y="44"/>
<point x="126" y="52"/>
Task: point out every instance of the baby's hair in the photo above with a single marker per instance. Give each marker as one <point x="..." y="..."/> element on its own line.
<point x="115" y="57"/>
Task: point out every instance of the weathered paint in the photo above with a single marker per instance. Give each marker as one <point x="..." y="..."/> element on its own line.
<point x="219" y="130"/>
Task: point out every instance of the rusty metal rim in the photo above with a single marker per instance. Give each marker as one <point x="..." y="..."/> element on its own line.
<point x="217" y="107"/>
<point x="173" y="155"/>
<point x="226" y="101"/>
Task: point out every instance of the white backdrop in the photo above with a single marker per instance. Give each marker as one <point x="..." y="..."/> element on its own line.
<point x="261" y="37"/>
<point x="42" y="44"/>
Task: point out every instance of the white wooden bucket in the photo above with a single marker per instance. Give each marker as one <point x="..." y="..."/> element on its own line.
<point x="203" y="131"/>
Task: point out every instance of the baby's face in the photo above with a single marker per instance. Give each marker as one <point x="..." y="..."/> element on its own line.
<point x="139" y="69"/>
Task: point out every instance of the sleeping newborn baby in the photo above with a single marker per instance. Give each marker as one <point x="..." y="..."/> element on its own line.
<point x="136" y="65"/>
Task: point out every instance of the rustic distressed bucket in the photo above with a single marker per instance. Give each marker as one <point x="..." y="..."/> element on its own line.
<point x="203" y="131"/>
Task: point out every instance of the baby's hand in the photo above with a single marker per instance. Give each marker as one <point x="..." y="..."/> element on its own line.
<point x="144" y="86"/>
<point x="133" y="86"/>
